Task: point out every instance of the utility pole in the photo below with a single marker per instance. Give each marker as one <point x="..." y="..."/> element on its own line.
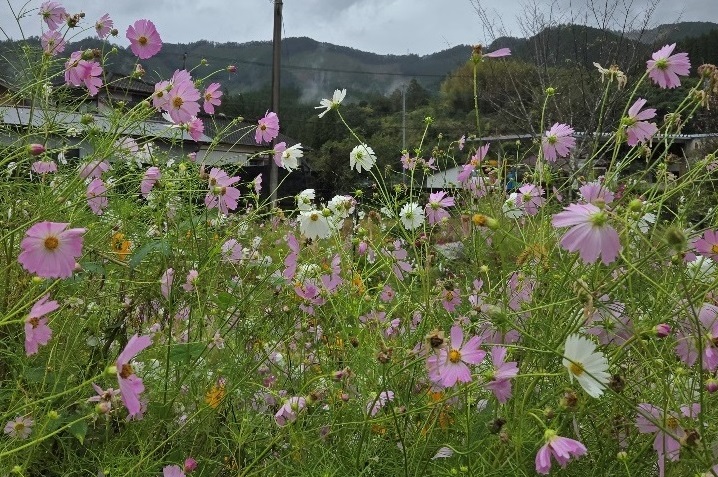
<point x="276" y="55"/>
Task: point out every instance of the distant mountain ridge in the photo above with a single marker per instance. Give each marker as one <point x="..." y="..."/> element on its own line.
<point x="315" y="69"/>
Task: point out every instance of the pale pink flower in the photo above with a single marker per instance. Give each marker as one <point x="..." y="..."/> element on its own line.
<point x="104" y="25"/>
<point x="707" y="245"/>
<point x="707" y="331"/>
<point x="530" y="198"/>
<point x="475" y="162"/>
<point x="195" y="128"/>
<point x="151" y="176"/>
<point x="160" y="98"/>
<point x="166" y="282"/>
<point x="145" y="42"/>
<point x="131" y="386"/>
<point x="222" y="195"/>
<point x="558" y="142"/>
<point x="267" y="129"/>
<point x="94" y="169"/>
<point x="96" y="196"/>
<point x="561" y="448"/>
<point x="590" y="233"/>
<point x="43" y="167"/>
<point x="637" y="129"/>
<point x="52" y="42"/>
<point x="500" y="380"/>
<point x="189" y="285"/>
<point x="436" y="207"/>
<point x="79" y="71"/>
<point x="104" y="398"/>
<point x="232" y="251"/>
<point x="450" y="299"/>
<point x="498" y="53"/>
<point x="596" y="193"/>
<point x="20" y="428"/>
<point x="669" y="432"/>
<point x="211" y="97"/>
<point x="450" y="364"/>
<point x="53" y="13"/>
<point x="49" y="250"/>
<point x="665" y="68"/>
<point x="36" y="330"/>
<point x="172" y="471"/>
<point x="182" y="101"/>
<point x="287" y="414"/>
<point x="373" y="406"/>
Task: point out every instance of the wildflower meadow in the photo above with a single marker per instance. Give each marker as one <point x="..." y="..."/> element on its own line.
<point x="160" y="315"/>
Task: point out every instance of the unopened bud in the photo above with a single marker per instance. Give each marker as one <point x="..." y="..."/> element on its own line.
<point x="662" y="330"/>
<point x="36" y="149"/>
<point x="550" y="91"/>
<point x="712" y="385"/>
<point x="635" y="205"/>
<point x="232" y="68"/>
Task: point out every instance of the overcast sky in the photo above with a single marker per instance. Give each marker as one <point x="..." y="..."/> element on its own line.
<point x="380" y="26"/>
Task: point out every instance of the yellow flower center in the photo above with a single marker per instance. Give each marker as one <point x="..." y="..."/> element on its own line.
<point x="479" y="220"/>
<point x="51" y="243"/>
<point x="714" y="248"/>
<point x="142" y="40"/>
<point x="19" y="427"/>
<point x="576" y="369"/>
<point x="34" y="322"/>
<point x="454" y="355"/>
<point x="126" y="371"/>
<point x="208" y="96"/>
<point x="672" y="422"/>
<point x="177" y="102"/>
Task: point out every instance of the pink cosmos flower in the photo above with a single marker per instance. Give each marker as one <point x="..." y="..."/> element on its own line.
<point x="232" y="251"/>
<point x="665" y="68"/>
<point x="667" y="442"/>
<point x="94" y="169"/>
<point x="195" y="128"/>
<point x="222" y="194"/>
<point x="182" y="101"/>
<point x="609" y="323"/>
<point x="450" y="299"/>
<point x="596" y="193"/>
<point x="387" y="294"/>
<point x="211" y="97"/>
<point x="172" y="471"/>
<point x="36" y="330"/>
<point x="707" y="245"/>
<point x="530" y="198"/>
<point x="104" y="25"/>
<point x="104" y="398"/>
<point x="152" y="175"/>
<point x="145" y="42"/>
<point x="435" y="208"/>
<point x="290" y="263"/>
<point x="43" y="167"/>
<point x="590" y="234"/>
<point x="637" y="129"/>
<point x="558" y="142"/>
<point x="49" y="250"/>
<point x="52" y="42"/>
<point x="687" y="347"/>
<point x="160" y="96"/>
<point x="498" y="53"/>
<point x="475" y="162"/>
<point x="131" y="386"/>
<point x="53" y="13"/>
<point x="166" y="282"/>
<point x="79" y="72"/>
<point x="267" y="129"/>
<point x="375" y="405"/>
<point x="20" y="428"/>
<point x="189" y="285"/>
<point x="561" y="448"/>
<point x="500" y="379"/>
<point x="257" y="182"/>
<point x="449" y="365"/>
<point x="287" y="414"/>
<point x="96" y="196"/>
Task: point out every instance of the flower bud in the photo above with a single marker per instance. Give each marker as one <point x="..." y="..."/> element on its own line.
<point x="232" y="68"/>
<point x="190" y="464"/>
<point x="712" y="385"/>
<point x="675" y="237"/>
<point x="662" y="330"/>
<point x="36" y="149"/>
<point x="550" y="91"/>
<point x="635" y="205"/>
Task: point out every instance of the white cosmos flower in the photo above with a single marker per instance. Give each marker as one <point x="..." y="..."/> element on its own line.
<point x="290" y="157"/>
<point x="411" y="216"/>
<point x="333" y="103"/>
<point x="511" y="208"/>
<point x="304" y="200"/>
<point x="314" y="225"/>
<point x="362" y="156"/>
<point x="341" y="206"/>
<point x="588" y="366"/>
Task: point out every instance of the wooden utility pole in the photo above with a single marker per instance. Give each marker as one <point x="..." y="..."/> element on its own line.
<point x="276" y="55"/>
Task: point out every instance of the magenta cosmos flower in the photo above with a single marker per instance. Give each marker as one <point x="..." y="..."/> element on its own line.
<point x="637" y="129"/>
<point x="221" y="194"/>
<point x="590" y="234"/>
<point x="145" y="42"/>
<point x="707" y="245"/>
<point x="436" y="208"/>
<point x="211" y="98"/>
<point x="665" y="68"/>
<point x="49" y="250"/>
<point x="131" y="386"/>
<point x="36" y="330"/>
<point x="267" y="129"/>
<point x="561" y="448"/>
<point x="53" y="13"/>
<point x="557" y="142"/>
<point x="449" y="365"/>
<point x="79" y="72"/>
